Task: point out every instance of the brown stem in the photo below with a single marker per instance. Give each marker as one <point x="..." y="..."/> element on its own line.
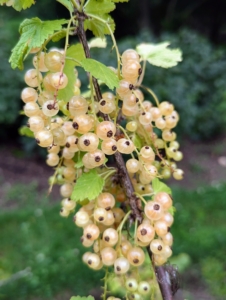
<point x="123" y="174"/>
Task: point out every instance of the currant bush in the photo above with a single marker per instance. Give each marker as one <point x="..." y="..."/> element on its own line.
<point x="85" y="132"/>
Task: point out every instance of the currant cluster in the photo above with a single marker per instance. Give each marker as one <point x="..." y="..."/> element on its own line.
<point x="76" y="129"/>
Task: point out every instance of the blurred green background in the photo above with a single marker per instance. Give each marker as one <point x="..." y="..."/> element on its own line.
<point x="40" y="253"/>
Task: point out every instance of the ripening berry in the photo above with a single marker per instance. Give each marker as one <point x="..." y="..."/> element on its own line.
<point x="136" y="256"/>
<point x="131" y="126"/>
<point x="31" y="109"/>
<point x="100" y="214"/>
<point x="82" y="123"/>
<point x="77" y="106"/>
<point x="59" y="80"/>
<point x="178" y="174"/>
<point x="93" y="159"/>
<point x="109" y="146"/>
<point x="68" y="128"/>
<point x="47" y="83"/>
<point x="161" y="228"/>
<point x="38" y="62"/>
<point x="159" y="260"/>
<point x="105" y="130"/>
<point x="110" y="237"/>
<point x="164" y="199"/>
<point x="130" y="111"/>
<point x="168" y="218"/>
<point x="68" y="204"/>
<point x="125" y="146"/>
<point x="125" y="88"/>
<point x="106" y="200"/>
<point x="52" y="159"/>
<point x="160" y="123"/>
<point x="85" y="257"/>
<point x="157" y="246"/>
<point x="108" y="256"/>
<point x="147" y="152"/>
<point x="44" y="138"/>
<point x="125" y="247"/>
<point x="93" y="260"/>
<point x="72" y="143"/>
<point x="88" y="142"/>
<point x="110" y="220"/>
<point x="168" y="135"/>
<point x="118" y="214"/>
<point x="66" y="190"/>
<point x="121" y="265"/>
<point x="69" y="173"/>
<point x="81" y="218"/>
<point x="106" y="106"/>
<point x="64" y="212"/>
<point x="67" y="154"/>
<point x="178" y="155"/>
<point x="131" y="284"/>
<point x="33" y="78"/>
<point x="54" y="61"/>
<point x="167" y="239"/>
<point x="155" y="112"/>
<point x="130" y="100"/>
<point x="131" y="70"/>
<point x="153" y="210"/>
<point x="36" y="123"/>
<point x="50" y="108"/>
<point x="86" y="242"/>
<point x="29" y="95"/>
<point x="167" y="252"/>
<point x="133" y="165"/>
<point x="143" y="288"/>
<point x="59" y="137"/>
<point x="166" y="108"/>
<point x="145" y="118"/>
<point x="130" y="54"/>
<point x="145" y="232"/>
<point x="91" y="232"/>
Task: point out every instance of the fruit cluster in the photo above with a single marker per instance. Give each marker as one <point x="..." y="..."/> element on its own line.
<point x="76" y="130"/>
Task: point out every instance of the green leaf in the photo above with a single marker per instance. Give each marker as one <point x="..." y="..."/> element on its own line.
<point x="19" y="4"/>
<point x="96" y="7"/>
<point x="98" y="43"/>
<point x="67" y="4"/>
<point x="59" y="35"/>
<point x="78" y="159"/>
<point x="82" y="298"/>
<point x="159" y="186"/>
<point x="172" y="210"/>
<point x="88" y="186"/>
<point x="24" y="130"/>
<point x="98" y="27"/>
<point x="33" y="32"/>
<point x="159" y="55"/>
<point x="77" y="52"/>
<point x="101" y="72"/>
<point x="117" y="1"/>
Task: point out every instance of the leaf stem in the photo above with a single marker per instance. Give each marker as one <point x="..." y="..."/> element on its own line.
<point x="152" y="93"/>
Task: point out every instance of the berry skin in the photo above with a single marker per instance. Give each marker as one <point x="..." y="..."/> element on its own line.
<point x="121" y="265"/>
<point x="153" y="210"/>
<point x="136" y="256"/>
<point x="108" y="256"/>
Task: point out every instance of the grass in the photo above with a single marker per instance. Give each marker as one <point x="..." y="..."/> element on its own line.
<point x="40" y="252"/>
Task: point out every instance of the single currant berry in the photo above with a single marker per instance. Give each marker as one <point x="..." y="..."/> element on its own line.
<point x="69" y="204"/>
<point x="54" y="61"/>
<point x="91" y="232"/>
<point x="29" y="95"/>
<point x="81" y="218"/>
<point x="131" y="284"/>
<point x="125" y="146"/>
<point x="100" y="214"/>
<point x="121" y="265"/>
<point x="145" y="232"/>
<point x="110" y="236"/>
<point x="164" y="199"/>
<point x="153" y="210"/>
<point x="157" y="246"/>
<point x="106" y="200"/>
<point x="136" y="256"/>
<point x="108" y="256"/>
<point x="143" y="288"/>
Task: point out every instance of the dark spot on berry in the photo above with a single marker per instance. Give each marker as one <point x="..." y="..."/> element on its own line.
<point x="130" y="285"/>
<point x="86" y="142"/>
<point x="127" y="143"/>
<point x="89" y="108"/>
<point x="89" y="262"/>
<point x="101" y="219"/>
<point x="156" y="207"/>
<point x="107" y="239"/>
<point x="109" y="133"/>
<point x="50" y="106"/>
<point x="67" y="145"/>
<point x="67" y="106"/>
<point x="159" y="248"/>
<point x="136" y="260"/>
<point x="146" y="147"/>
<point x="107" y="208"/>
<point x="137" y="100"/>
<point x="61" y="210"/>
<point x="75" y="125"/>
<point x="114" y="148"/>
<point x="143" y="188"/>
<point x="28" y="125"/>
<point x="143" y="231"/>
<point x="102" y="103"/>
<point x="131" y="86"/>
<point x="89" y="236"/>
<point x="97" y="158"/>
<point x="74" y="218"/>
<point x="145" y="288"/>
<point x="82" y="239"/>
<point x="118" y="268"/>
<point x="37" y="141"/>
<point x="140" y="71"/>
<point x="168" y="229"/>
<point x="143" y="114"/>
<point x="76" y="141"/>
